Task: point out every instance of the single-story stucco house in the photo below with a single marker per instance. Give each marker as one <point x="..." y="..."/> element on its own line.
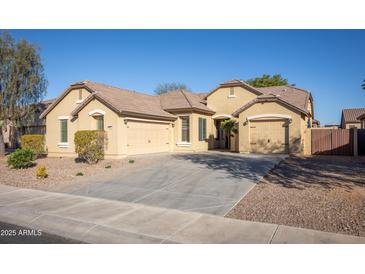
<point x="350" y="117"/>
<point x="269" y="120"/>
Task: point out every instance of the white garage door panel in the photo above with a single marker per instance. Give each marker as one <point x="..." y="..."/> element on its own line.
<point x="269" y="137"/>
<point x="144" y="137"/>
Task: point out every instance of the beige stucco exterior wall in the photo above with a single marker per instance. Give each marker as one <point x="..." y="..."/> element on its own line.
<point x="115" y="127"/>
<point x="194" y="144"/>
<point x="296" y="127"/>
<point x="112" y="125"/>
<point x="62" y="109"/>
<point x="307" y="149"/>
<point x="222" y="103"/>
<point x="350" y="125"/>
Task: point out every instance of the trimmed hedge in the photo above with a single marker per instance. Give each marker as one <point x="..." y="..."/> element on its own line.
<point x="35" y="142"/>
<point x="89" y="145"/>
<point x="21" y="158"/>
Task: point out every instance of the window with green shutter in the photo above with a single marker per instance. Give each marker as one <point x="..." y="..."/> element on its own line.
<point x="63" y="123"/>
<point x="202" y="129"/>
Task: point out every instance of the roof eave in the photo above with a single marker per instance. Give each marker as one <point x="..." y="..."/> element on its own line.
<point x="265" y="100"/>
<point x="63" y="95"/>
<point x="150" y="116"/>
<point x="191" y="109"/>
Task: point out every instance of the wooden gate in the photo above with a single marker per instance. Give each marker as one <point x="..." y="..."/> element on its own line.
<point x="361" y="141"/>
<point x="332" y="141"/>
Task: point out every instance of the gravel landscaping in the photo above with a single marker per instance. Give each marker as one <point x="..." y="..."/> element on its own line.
<point x="62" y="171"/>
<point x="321" y="192"/>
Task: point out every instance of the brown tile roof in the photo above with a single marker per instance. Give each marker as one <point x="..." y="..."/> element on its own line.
<point x="181" y="100"/>
<point x="202" y="95"/>
<point x="351" y="115"/>
<point x="48" y="101"/>
<point x="129" y="102"/>
<point x="292" y="95"/>
<point x="266" y="98"/>
<point x="361" y="117"/>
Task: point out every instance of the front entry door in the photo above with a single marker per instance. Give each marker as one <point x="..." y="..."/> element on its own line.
<point x="221" y="138"/>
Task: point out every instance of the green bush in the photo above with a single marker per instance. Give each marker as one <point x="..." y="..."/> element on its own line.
<point x="79" y="174"/>
<point x="21" y="158"/>
<point x="131" y="161"/>
<point x="89" y="145"/>
<point x="34" y="142"/>
<point x="108" y="166"/>
<point x="41" y="172"/>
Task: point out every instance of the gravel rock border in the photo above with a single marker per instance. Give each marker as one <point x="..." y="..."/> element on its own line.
<point x="321" y="192"/>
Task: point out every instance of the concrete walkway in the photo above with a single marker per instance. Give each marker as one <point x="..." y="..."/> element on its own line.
<point x="96" y="220"/>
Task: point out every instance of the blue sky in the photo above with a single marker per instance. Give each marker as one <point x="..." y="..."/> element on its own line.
<point x="329" y="63"/>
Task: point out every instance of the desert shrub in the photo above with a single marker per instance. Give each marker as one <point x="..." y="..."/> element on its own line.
<point x="41" y="172"/>
<point x="21" y="158"/>
<point x="79" y="174"/>
<point x="131" y="161"/>
<point x="35" y="142"/>
<point x="108" y="166"/>
<point x="89" y="145"/>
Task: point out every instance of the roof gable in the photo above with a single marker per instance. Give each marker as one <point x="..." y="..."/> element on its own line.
<point x="292" y="95"/>
<point x="235" y="83"/>
<point x="129" y="102"/>
<point x="351" y="115"/>
<point x="55" y="102"/>
<point x="267" y="98"/>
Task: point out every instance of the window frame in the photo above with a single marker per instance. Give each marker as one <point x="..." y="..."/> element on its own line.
<point x="185" y="134"/>
<point x="202" y="129"/>
<point x="231" y="91"/>
<point x="63" y="122"/>
<point x="98" y="119"/>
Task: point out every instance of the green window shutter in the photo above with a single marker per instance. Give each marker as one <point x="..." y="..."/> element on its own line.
<point x="63" y="124"/>
<point x="204" y="129"/>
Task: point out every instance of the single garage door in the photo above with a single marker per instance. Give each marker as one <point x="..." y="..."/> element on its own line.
<point x="269" y="136"/>
<point x="145" y="137"/>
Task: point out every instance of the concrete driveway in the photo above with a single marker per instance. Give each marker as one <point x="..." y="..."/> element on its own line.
<point x="211" y="182"/>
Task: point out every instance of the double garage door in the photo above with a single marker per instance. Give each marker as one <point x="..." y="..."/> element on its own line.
<point x="269" y="136"/>
<point x="145" y="137"/>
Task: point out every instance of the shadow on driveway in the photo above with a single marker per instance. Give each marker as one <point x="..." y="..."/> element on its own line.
<point x="319" y="171"/>
<point x="251" y="167"/>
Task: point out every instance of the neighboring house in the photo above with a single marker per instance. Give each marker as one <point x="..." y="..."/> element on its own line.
<point x="270" y="120"/>
<point x="349" y="118"/>
<point x="30" y="124"/>
<point x="361" y="118"/>
<point x="316" y="123"/>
